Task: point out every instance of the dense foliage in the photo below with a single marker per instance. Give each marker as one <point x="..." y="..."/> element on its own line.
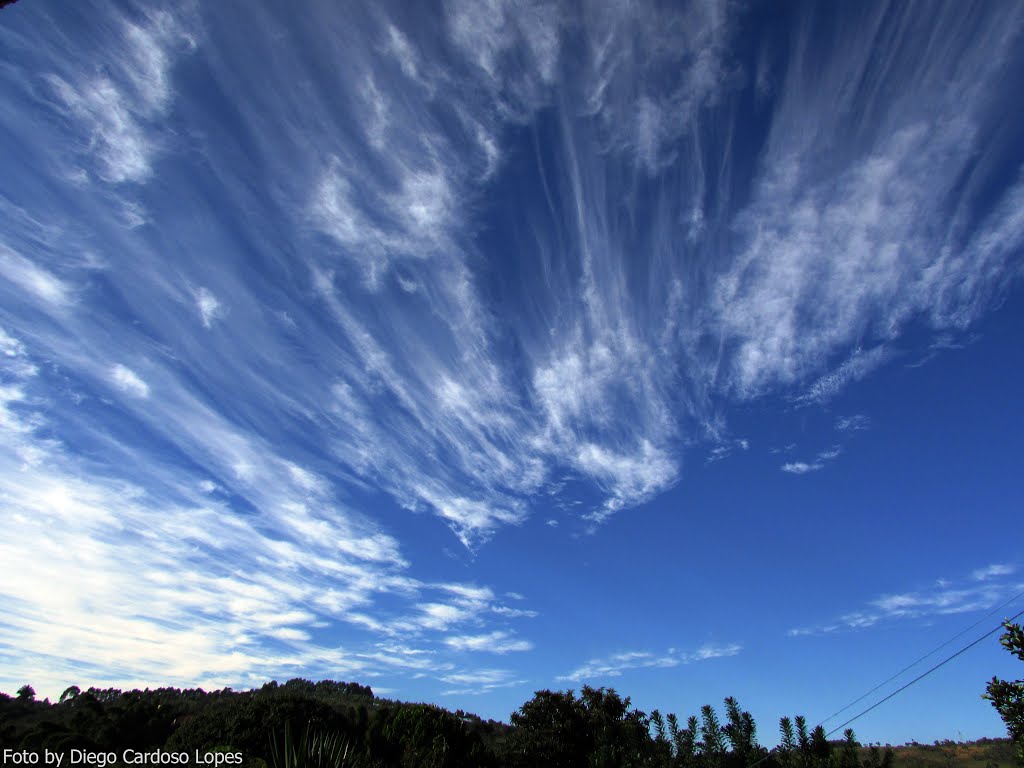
<point x="270" y="726"/>
<point x="1007" y="696"/>
<point x="983" y="753"/>
<point x="328" y="724"/>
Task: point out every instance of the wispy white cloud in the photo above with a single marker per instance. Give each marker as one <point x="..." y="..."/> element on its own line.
<point x="841" y="249"/>
<point x="718" y="453"/>
<point x="189" y="592"/>
<point x="493" y="37"/>
<point x="854" y="368"/>
<point x="617" y="375"/>
<point x="725" y="449"/>
<point x="801" y="467"/>
<point x="492" y="642"/>
<point x="128" y="381"/>
<point x="618" y="358"/>
<point x="993" y="571"/>
<point x="985" y="588"/>
<point x="513" y="613"/>
<point x="210" y="308"/>
<point x="479" y="681"/>
<point x="375" y="226"/>
<point x="854" y="423"/>
<point x="33" y="279"/>
<point x="942" y="343"/>
<point x="401" y="211"/>
<point x="118" y="109"/>
<point x="616" y="664"/>
<point x="714" y="652"/>
<point x="648" y="123"/>
<point x="629" y="478"/>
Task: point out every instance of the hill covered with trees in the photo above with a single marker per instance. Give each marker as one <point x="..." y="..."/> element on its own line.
<point x="329" y="724"/>
<point x="983" y="753"/>
<point x="338" y="724"/>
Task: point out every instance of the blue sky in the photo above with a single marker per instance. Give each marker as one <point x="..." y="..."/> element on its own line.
<point x="470" y="349"/>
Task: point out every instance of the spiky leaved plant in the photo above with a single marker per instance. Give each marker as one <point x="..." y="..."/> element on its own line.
<point x="312" y="749"/>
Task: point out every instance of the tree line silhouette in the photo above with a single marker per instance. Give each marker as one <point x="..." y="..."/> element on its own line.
<point x="329" y="724"/>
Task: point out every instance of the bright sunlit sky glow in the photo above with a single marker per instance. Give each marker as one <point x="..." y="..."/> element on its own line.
<point x="468" y="349"/>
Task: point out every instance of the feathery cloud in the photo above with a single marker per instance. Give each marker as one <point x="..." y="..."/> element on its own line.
<point x="616" y="664"/>
<point x="209" y="307"/>
<point x="492" y="642"/>
<point x="943" y="598"/>
<point x="993" y="571"/>
<point x="118" y="109"/>
<point x="128" y="381"/>
<point x="854" y="423"/>
<point x="801" y="467"/>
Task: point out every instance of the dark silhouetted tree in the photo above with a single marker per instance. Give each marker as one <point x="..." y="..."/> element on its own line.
<point x="788" y="749"/>
<point x="850" y="756"/>
<point x="70" y="693"/>
<point x="712" y="740"/>
<point x="1007" y="696"/>
<point x="741" y="733"/>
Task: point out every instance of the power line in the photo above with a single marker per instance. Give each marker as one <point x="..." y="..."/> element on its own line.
<point x="923" y="675"/>
<point x="922" y="658"/>
<point x="919" y="677"/>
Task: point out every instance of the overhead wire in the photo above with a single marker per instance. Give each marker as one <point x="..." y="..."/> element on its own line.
<point x="932" y="652"/>
<point x="919" y="677"/>
<point x="923" y="675"/>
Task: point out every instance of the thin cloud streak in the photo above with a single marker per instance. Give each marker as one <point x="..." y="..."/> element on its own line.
<point x="994" y="571"/>
<point x="801" y="467"/>
<point x="944" y="598"/>
<point x="855" y="423"/>
<point x="616" y="664"/>
<point x="494" y="642"/>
